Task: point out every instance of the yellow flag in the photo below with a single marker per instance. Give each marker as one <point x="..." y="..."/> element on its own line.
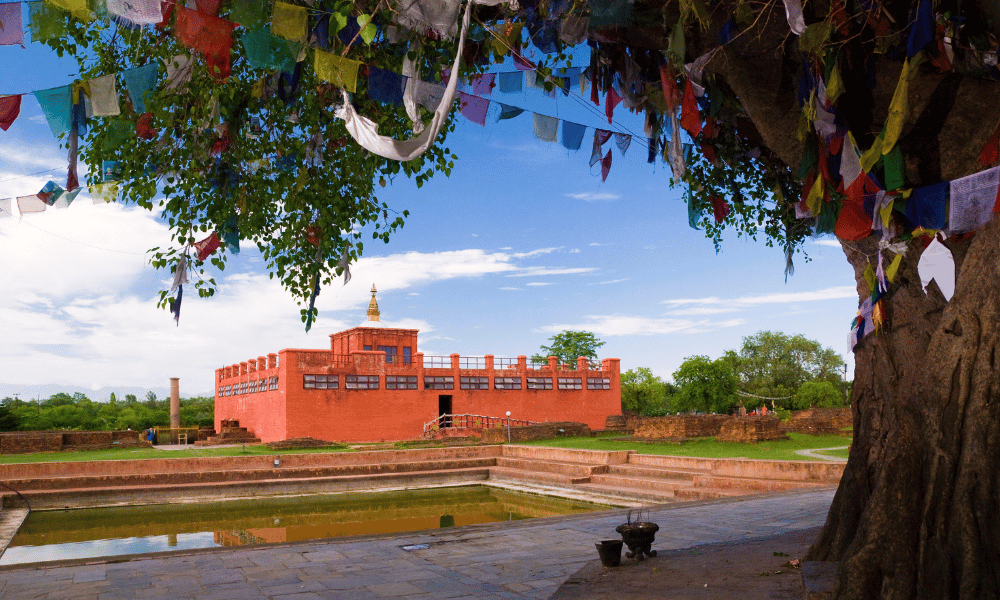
<point x="870" y="278"/>
<point x="339" y="71"/>
<point x="290" y="22"/>
<point x="78" y="8"/>
<point x="886" y="213"/>
<point x="834" y="87"/>
<point x="815" y="198"/>
<point x="871" y="156"/>
<point x="890" y="271"/>
<point x="898" y="109"/>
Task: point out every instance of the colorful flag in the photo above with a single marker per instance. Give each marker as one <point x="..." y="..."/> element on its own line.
<point x="11" y="30"/>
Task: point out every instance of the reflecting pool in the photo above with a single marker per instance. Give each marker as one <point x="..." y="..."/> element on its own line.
<point x="102" y="532"/>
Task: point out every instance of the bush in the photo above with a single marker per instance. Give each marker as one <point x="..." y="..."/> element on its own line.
<point x="821" y="394"/>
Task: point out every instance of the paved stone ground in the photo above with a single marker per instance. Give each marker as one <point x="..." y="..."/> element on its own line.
<point x="523" y="560"/>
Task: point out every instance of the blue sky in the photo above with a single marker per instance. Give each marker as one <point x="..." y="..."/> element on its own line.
<point x="521" y="242"/>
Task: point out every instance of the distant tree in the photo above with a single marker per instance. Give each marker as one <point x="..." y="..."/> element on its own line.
<point x="705" y="385"/>
<point x="130" y="399"/>
<point x="9" y="420"/>
<point x="113" y="400"/>
<point x="568" y="346"/>
<point x="151" y="399"/>
<point x="643" y="392"/>
<point x="821" y="394"/>
<point x="58" y="399"/>
<point x="774" y="364"/>
<point x="198" y="411"/>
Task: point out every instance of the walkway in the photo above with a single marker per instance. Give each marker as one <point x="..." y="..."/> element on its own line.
<point x="521" y="560"/>
<point x="817" y="453"/>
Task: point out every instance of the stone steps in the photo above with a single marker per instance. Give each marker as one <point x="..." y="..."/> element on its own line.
<point x="629" y="470"/>
<point x="641" y="483"/>
<point x="515" y="475"/>
<point x="744" y="484"/>
<point x="240" y="475"/>
<point x="550" y="466"/>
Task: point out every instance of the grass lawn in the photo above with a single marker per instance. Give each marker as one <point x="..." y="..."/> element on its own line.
<point x="836" y="453"/>
<point x="709" y="448"/>
<point x="146" y="453"/>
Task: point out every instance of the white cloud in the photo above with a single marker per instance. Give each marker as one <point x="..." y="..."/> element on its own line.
<point x="538" y="283"/>
<point x="702" y="310"/>
<point x="599" y="244"/>
<point x="593" y="196"/>
<point x="536" y="271"/>
<point x="537" y="252"/>
<point x="611" y="281"/>
<point x="475" y="235"/>
<point x="574" y="251"/>
<point x="613" y="325"/>
<point x="830" y="243"/>
<point x="831" y="293"/>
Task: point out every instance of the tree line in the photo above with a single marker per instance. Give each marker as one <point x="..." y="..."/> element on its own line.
<point x="77" y="412"/>
<point x="794" y="371"/>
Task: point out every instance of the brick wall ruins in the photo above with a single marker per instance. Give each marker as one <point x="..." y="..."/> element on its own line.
<point x="677" y="426"/>
<point x="18" y="442"/>
<point x="750" y="430"/>
<point x="540" y="431"/>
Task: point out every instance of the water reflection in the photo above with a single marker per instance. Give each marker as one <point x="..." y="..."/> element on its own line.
<point x="91" y="533"/>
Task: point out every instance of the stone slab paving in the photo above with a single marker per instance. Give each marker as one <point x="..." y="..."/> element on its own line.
<point x="521" y="560"/>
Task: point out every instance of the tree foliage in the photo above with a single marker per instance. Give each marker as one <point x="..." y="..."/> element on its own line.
<point x="821" y="394"/>
<point x="78" y="412"/>
<point x="705" y="385"/>
<point x="567" y="346"/>
<point x="774" y="364"/>
<point x="644" y="393"/>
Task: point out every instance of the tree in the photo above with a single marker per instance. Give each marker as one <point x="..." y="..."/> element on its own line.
<point x="643" y="392"/>
<point x="568" y="346"/>
<point x="245" y="153"/>
<point x="913" y="515"/>
<point x="705" y="385"/>
<point x="821" y="394"/>
<point x="773" y="364"/>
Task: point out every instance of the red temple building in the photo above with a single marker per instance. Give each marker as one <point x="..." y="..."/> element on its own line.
<point x="373" y="384"/>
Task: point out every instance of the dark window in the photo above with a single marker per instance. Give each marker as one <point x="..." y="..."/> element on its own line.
<point x="274" y="383"/>
<point x="400" y="382"/>
<point x="570" y="383"/>
<point x="262" y="385"/>
<point x="317" y="382"/>
<point x="366" y="348"/>
<point x="439" y="383"/>
<point x="407" y="357"/>
<point x="539" y="383"/>
<point x="507" y="383"/>
<point x="474" y="383"/>
<point x="390" y="353"/>
<point x="362" y="382"/>
<point x="598" y="383"/>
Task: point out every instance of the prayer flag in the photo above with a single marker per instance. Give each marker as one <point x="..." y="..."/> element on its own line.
<point x="572" y="135"/>
<point x="922" y="30"/>
<point x="853" y="223"/>
<point x="290" y="22"/>
<point x="175" y="305"/>
<point x="138" y="82"/>
<point x="623" y="140"/>
<point x="690" y="117"/>
<point x="180" y="68"/>
<point x="31" y="204"/>
<point x="211" y="36"/>
<point x="102" y="193"/>
<point x="46" y="22"/>
<point x="104" y="96"/>
<point x="10" y="108"/>
<point x="483" y="84"/>
<point x="6" y="208"/>
<point x="473" y="108"/>
<point x="207" y="246"/>
<point x="600" y="137"/>
<point x="140" y="12"/>
<point x="342" y="72"/>
<point x="545" y="127"/>
<point x="439" y="15"/>
<point x="720" y="207"/>
<point x="11" y="30"/>
<point x="385" y="86"/>
<point x="973" y="199"/>
<point x="251" y="14"/>
<point x="508" y="112"/>
<point x="77" y="8"/>
<point x="611" y="100"/>
<point x="511" y="82"/>
<point x="267" y="51"/>
<point x="605" y="166"/>
<point x="937" y="263"/>
<point x="57" y="104"/>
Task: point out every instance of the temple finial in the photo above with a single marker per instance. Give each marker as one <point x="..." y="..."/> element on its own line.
<point x="373" y="313"/>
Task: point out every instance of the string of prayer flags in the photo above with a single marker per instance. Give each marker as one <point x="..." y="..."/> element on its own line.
<point x="57" y="105"/>
<point x="140" y="12"/>
<point x="973" y="200"/>
<point x="341" y="72"/>
<point x="572" y="135"/>
<point x="207" y="246"/>
<point x="10" y="108"/>
<point x="545" y="127"/>
<point x="11" y="30"/>
<point x="290" y="22"/>
<point x="104" y="96"/>
<point x="473" y="108"/>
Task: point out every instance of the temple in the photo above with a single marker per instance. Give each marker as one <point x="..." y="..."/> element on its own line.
<point x="373" y="384"/>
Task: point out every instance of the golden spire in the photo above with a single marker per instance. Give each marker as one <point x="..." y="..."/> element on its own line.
<point x="373" y="313"/>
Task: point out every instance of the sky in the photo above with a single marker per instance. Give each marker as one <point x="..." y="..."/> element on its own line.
<point x="521" y="242"/>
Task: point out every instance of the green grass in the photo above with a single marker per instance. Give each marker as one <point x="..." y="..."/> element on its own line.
<point x="149" y="453"/>
<point x="709" y="448"/>
<point x="836" y="453"/>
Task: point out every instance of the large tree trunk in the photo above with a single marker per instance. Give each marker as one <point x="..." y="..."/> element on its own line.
<point x="916" y="514"/>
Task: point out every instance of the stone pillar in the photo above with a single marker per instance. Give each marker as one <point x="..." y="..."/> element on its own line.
<point x="489" y="362"/>
<point x="582" y="364"/>
<point x="454" y="360"/>
<point x="175" y="402"/>
<point x="272" y="361"/>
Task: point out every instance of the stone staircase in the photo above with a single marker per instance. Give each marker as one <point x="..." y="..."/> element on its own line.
<point x="231" y="433"/>
<point x="652" y="478"/>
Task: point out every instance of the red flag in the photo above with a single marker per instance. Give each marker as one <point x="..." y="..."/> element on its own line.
<point x="10" y="108"/>
<point x="690" y="117"/>
<point x="211" y="36"/>
<point x="720" y="207"/>
<point x="853" y="223"/>
<point x="606" y="166"/>
<point x="611" y="100"/>
<point x="670" y="92"/>
<point x="988" y="156"/>
<point x="144" y="126"/>
<point x="207" y="246"/>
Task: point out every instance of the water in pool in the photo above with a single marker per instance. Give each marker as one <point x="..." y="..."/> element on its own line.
<point x="101" y="532"/>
